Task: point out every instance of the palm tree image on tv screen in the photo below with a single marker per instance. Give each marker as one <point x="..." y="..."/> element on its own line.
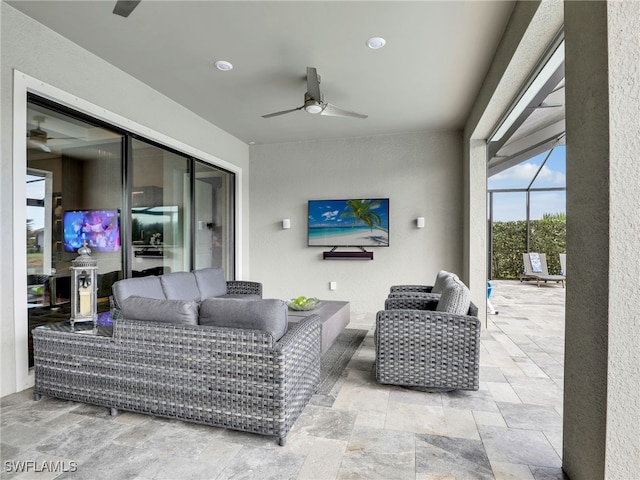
<point x="349" y="223"/>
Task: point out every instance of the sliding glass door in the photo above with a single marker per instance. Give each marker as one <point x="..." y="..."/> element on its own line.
<point x="142" y="208"/>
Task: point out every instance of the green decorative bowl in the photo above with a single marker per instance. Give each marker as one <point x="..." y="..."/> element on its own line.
<point x="310" y="304"/>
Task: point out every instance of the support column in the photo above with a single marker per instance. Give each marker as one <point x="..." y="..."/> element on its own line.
<point x="602" y="383"/>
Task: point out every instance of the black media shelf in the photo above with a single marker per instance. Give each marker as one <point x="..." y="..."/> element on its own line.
<point x="333" y="255"/>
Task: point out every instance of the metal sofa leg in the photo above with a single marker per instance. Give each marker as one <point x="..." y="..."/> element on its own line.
<point x="36" y="397"/>
<point x="282" y="441"/>
<point x="114" y="412"/>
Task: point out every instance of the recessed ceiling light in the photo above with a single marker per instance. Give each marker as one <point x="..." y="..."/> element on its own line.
<point x="223" y="65"/>
<point x="376" y="42"/>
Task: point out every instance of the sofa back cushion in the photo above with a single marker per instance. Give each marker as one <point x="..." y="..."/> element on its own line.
<point x="160" y="310"/>
<point x="455" y="297"/>
<point x="441" y="281"/>
<point x="268" y="315"/>
<point x="140" y="286"/>
<point x="180" y="286"/>
<point x="211" y="282"/>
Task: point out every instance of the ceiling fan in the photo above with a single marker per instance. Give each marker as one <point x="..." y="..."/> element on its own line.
<point x="125" y="7"/>
<point x="314" y="101"/>
<point x="37" y="137"/>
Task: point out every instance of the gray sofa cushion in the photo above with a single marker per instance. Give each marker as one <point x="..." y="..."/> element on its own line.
<point x="141" y="287"/>
<point x="269" y="315"/>
<point x="211" y="282"/>
<point x="160" y="310"/>
<point x="180" y="286"/>
<point x="455" y="297"/>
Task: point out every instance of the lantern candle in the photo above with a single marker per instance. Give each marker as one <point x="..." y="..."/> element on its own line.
<point x="85" y="300"/>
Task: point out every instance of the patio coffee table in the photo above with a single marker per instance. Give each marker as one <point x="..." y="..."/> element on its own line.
<point x="334" y="317"/>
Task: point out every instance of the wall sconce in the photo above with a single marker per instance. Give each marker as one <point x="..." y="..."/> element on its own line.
<point x="420" y="222"/>
<point x="286" y="223"/>
<point x="84" y="287"/>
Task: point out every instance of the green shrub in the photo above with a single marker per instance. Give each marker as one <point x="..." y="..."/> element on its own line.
<point x="547" y="235"/>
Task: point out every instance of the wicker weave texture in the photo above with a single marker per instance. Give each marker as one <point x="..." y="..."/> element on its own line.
<point x="232" y="378"/>
<point x="412" y="294"/>
<point x="428" y="349"/>
<point x="241" y="287"/>
<point x="411" y="288"/>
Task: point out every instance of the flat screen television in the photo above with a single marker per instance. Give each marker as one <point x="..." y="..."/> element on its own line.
<point x="99" y="228"/>
<point x="349" y="223"/>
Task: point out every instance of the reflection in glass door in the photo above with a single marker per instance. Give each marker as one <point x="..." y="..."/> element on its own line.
<point x="160" y="219"/>
<point x="213" y="205"/>
<point x="74" y="195"/>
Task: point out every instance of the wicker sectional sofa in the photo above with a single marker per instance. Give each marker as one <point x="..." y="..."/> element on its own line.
<point x="225" y="370"/>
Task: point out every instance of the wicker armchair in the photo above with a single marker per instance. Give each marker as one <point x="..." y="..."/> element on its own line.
<point x="422" y="291"/>
<point x="417" y="346"/>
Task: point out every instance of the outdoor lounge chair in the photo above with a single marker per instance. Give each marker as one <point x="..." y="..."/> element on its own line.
<point x="535" y="268"/>
<point x="422" y="291"/>
<point x="429" y="344"/>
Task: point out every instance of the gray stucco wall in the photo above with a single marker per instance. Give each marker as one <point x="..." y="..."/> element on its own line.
<point x="602" y="380"/>
<point x="33" y="49"/>
<point x="421" y="174"/>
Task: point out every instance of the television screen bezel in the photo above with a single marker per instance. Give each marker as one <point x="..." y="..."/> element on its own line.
<point x="349" y="244"/>
<point x="91" y="243"/>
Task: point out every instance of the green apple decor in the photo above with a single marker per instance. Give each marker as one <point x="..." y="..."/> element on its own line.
<point x="303" y="303"/>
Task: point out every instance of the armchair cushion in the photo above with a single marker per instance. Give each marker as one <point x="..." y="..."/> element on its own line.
<point x="455" y="298"/>
<point x="160" y="310"/>
<point x="211" y="282"/>
<point x="268" y="315"/>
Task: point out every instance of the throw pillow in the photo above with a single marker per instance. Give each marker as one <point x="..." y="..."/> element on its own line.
<point x="455" y="298"/>
<point x="441" y="280"/>
<point x="211" y="282"/>
<point x="142" y="287"/>
<point x="268" y="315"/>
<point x="180" y="286"/>
<point x="536" y="262"/>
<point x="157" y="310"/>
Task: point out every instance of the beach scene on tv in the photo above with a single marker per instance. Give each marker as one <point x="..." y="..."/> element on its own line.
<point x="349" y="223"/>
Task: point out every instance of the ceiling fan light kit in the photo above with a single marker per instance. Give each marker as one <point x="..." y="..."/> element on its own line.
<point x="314" y="101"/>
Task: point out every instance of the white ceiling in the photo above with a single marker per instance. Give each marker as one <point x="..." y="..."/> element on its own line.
<point x="425" y="78"/>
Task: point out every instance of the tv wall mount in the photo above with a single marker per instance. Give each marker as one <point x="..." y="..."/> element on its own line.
<point x="361" y="254"/>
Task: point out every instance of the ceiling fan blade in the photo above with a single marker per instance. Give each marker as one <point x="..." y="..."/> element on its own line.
<point x="313" y="84"/>
<point x="334" y="111"/>
<point x="125" y="7"/>
<point x="283" y="112"/>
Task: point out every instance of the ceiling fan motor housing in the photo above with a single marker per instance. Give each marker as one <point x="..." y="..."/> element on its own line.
<point x="311" y="105"/>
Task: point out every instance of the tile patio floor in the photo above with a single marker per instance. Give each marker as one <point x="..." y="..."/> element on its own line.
<point x="510" y="428"/>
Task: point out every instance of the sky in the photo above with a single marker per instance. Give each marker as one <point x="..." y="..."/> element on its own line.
<point x="512" y="206"/>
<point x="328" y="213"/>
<point x="35" y="189"/>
